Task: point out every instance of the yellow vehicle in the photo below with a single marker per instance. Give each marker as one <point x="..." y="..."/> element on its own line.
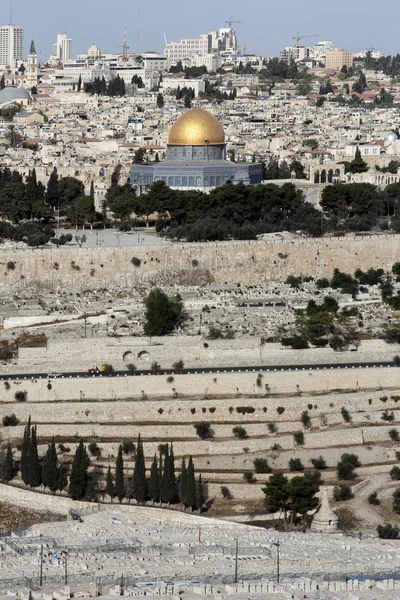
<point x="106" y="368"/>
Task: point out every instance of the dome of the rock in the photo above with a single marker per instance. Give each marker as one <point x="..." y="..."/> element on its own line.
<point x="196" y="127"/>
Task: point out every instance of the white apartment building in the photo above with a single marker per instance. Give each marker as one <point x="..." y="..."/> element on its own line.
<point x="294" y="53"/>
<point x="11" y="46"/>
<point x="62" y="49"/>
<point x="320" y="49"/>
<point x="212" y="62"/>
<point x="223" y="41"/>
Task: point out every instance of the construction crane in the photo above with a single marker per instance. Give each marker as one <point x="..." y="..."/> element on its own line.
<point x="230" y="21"/>
<point x="299" y="37"/>
<point x="244" y="48"/>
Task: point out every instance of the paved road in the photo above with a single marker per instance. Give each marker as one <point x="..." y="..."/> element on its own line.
<point x="252" y="369"/>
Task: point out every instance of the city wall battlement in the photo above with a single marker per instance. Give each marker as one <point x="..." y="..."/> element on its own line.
<point x="246" y="262"/>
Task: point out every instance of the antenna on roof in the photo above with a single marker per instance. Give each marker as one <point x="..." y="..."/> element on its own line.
<point x="138" y="33"/>
<point x="10" y="12"/>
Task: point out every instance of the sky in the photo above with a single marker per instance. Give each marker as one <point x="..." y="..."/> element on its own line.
<point x="268" y="25"/>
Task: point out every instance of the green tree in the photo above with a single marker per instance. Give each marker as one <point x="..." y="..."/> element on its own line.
<point x="25" y="448"/>
<point x="162" y="312"/>
<point x="199" y="494"/>
<point x="168" y="484"/>
<point x="79" y="473"/>
<point x="119" y="476"/>
<point x="347" y="465"/>
<point x="50" y="468"/>
<point x="139" y="474"/>
<point x="154" y="481"/>
<point x="276" y="495"/>
<point x="34" y="467"/>
<point x="79" y="83"/>
<point x="302" y="491"/>
<point x="52" y="195"/>
<point x="81" y="210"/>
<point x="110" y="486"/>
<point x="160" y="100"/>
<point x="122" y="201"/>
<point x="182" y="482"/>
<point x="190" y="495"/>
<point x="8" y="465"/>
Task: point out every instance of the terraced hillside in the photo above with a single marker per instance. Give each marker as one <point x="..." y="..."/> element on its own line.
<point x="360" y="416"/>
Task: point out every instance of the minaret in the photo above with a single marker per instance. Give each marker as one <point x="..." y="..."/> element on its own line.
<point x="32" y="74"/>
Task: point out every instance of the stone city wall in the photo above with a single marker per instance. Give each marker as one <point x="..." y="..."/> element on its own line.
<point x="245" y="262"/>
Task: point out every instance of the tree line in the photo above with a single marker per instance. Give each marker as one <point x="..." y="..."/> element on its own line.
<point x="114" y="87"/>
<point x="161" y="484"/>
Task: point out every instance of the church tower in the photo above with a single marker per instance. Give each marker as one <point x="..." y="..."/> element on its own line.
<point x="32" y="74"/>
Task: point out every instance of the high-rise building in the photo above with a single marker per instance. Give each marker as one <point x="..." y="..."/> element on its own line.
<point x="11" y="45"/>
<point x="215" y="42"/>
<point x="62" y="49"/>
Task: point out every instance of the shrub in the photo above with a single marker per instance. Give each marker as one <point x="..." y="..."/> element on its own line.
<point x="373" y="499"/>
<point x="226" y="493"/>
<point x="276" y="447"/>
<point x="178" y="365"/>
<point x="249" y="477"/>
<point x="297" y="342"/>
<point x="239" y="432"/>
<point x="214" y="333"/>
<point x="272" y="428"/>
<point x="261" y="465"/>
<point x="280" y="410"/>
<point x="10" y="420"/>
<point x="7" y="385"/>
<point x="195" y="263"/>
<point x="298" y="437"/>
<point x="318" y="463"/>
<point x="295" y="464"/>
<point x="6" y="353"/>
<point x="128" y="447"/>
<point x="305" y="419"/>
<point x="21" y="396"/>
<point x="155" y="366"/>
<point x="396" y="360"/>
<point x="395" y="473"/>
<point x="396" y="501"/>
<point x="131" y="367"/>
<point x="345" y="414"/>
<point x="346" y="466"/>
<point x="387" y="416"/>
<point x="342" y="492"/>
<point x="94" y="449"/>
<point x="136" y="261"/>
<point x="170" y="379"/>
<point x="398" y="455"/>
<point x="394" y="435"/>
<point x="388" y="532"/>
<point x="203" y="430"/>
<point x="10" y="265"/>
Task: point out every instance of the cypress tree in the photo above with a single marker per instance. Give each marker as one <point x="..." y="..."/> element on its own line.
<point x="154" y="483"/>
<point x="110" y="487"/>
<point x="168" y="488"/>
<point x="182" y="482"/>
<point x="79" y="475"/>
<point x="79" y="83"/>
<point x="139" y="475"/>
<point x="8" y="465"/>
<point x="190" y="497"/>
<point x="52" y="189"/>
<point x="26" y="443"/>
<point x="62" y="480"/>
<point x="34" y="466"/>
<point x="199" y="494"/>
<point x="91" y="193"/>
<point x="119" y="476"/>
<point x="50" y="468"/>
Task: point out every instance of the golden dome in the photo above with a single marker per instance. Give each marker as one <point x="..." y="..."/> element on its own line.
<point x="196" y="127"/>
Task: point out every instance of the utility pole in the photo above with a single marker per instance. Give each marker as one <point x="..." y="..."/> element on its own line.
<point x="278" y="545"/>
<point x="41" y="566"/>
<point x="236" y="559"/>
<point x="66" y="568"/>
